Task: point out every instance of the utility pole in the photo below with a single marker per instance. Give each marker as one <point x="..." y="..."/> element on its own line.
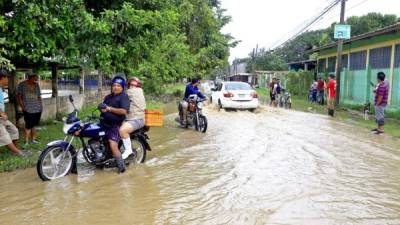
<point x="253" y="68"/>
<point x="339" y="54"/>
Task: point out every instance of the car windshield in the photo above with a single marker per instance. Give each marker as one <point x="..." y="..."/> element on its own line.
<point x="237" y="86"/>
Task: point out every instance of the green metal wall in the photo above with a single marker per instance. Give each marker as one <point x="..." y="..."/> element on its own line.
<point x="395" y="100"/>
<point x="373" y="79"/>
<point x="344" y="80"/>
<point x="357" y="85"/>
<point x="356" y="89"/>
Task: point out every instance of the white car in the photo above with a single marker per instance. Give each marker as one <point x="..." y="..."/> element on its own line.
<point x="234" y="95"/>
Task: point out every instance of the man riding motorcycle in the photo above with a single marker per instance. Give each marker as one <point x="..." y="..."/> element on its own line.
<point x="113" y="112"/>
<point x="191" y="89"/>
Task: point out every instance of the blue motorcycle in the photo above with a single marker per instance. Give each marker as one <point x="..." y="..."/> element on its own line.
<point x="59" y="158"/>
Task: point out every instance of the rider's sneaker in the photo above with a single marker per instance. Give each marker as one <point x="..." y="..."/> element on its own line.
<point x="34" y="141"/>
<point x="131" y="156"/>
<point x="126" y="154"/>
<point x="130" y="159"/>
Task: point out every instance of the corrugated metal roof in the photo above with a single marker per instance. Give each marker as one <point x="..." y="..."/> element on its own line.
<point x="385" y="30"/>
<point x="304" y="61"/>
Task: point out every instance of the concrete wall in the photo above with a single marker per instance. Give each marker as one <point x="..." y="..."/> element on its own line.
<point x="64" y="106"/>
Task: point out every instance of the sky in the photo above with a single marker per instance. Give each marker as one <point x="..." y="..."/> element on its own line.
<point x="269" y="22"/>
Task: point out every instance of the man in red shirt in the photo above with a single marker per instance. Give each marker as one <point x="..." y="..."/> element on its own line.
<point x="331" y="89"/>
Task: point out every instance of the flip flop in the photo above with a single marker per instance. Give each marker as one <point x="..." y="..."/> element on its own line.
<point x="379" y="132"/>
<point x="375" y="129"/>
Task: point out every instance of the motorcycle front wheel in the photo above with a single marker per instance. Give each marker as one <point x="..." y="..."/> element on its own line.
<point x="55" y="162"/>
<point x="202" y="124"/>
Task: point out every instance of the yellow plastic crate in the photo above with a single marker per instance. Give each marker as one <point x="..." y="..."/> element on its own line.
<point x="153" y="117"/>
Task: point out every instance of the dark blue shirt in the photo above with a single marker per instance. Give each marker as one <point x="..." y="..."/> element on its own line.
<point x="115" y="101"/>
<point x="190" y="90"/>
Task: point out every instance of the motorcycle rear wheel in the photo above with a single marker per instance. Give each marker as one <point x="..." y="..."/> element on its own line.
<point x="140" y="148"/>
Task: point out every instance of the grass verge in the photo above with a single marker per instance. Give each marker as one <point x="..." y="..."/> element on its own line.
<point x="350" y="114"/>
<point x="392" y="126"/>
<point x="49" y="131"/>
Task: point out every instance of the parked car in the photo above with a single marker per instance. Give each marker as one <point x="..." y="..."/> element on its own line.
<point x="234" y="95"/>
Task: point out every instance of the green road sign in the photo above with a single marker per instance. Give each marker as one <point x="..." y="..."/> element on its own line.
<point x="342" y="31"/>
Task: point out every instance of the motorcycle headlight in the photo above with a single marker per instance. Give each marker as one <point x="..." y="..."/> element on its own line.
<point x="200" y="105"/>
<point x="67" y="127"/>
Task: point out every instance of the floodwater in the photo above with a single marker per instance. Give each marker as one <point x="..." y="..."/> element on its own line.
<point x="269" y="167"/>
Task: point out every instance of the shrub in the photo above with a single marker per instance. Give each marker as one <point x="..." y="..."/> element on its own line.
<point x="298" y="83"/>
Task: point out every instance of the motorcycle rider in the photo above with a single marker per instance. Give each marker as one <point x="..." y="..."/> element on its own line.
<point x="135" y="118"/>
<point x="191" y="89"/>
<point x="114" y="109"/>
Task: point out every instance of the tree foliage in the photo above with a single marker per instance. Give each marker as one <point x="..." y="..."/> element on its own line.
<point x="157" y="40"/>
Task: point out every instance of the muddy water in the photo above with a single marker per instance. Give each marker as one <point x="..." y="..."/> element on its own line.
<point x="268" y="167"/>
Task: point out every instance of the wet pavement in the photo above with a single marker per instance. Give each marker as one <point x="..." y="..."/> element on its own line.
<point x="269" y="167"/>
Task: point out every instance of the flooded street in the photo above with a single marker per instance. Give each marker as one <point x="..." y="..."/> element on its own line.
<point x="269" y="167"/>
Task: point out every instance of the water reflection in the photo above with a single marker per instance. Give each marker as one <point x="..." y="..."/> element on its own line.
<point x="268" y="167"/>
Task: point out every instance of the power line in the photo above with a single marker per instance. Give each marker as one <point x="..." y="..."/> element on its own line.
<point x="338" y="14"/>
<point x="313" y="20"/>
<point x="301" y="26"/>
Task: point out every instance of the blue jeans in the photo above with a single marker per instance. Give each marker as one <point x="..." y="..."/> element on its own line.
<point x="314" y="95"/>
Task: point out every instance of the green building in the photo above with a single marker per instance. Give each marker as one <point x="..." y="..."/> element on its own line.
<point x="363" y="57"/>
